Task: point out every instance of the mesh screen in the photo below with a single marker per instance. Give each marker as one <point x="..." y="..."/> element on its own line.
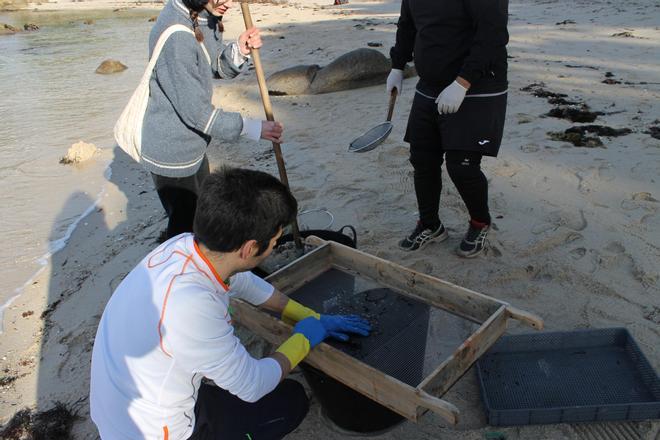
<point x="564" y="369"/>
<point x="397" y="344"/>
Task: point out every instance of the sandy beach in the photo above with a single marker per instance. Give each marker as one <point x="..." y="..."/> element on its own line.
<point x="576" y="237"/>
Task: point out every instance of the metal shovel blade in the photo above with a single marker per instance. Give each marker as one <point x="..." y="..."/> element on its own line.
<point x="371" y="139"/>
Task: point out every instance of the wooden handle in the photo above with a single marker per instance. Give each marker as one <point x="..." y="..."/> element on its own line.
<point x="390" y="109"/>
<point x="265" y="98"/>
<point x="528" y="318"/>
<point x="441" y="407"/>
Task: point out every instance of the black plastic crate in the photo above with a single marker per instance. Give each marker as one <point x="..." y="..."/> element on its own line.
<point x="578" y="376"/>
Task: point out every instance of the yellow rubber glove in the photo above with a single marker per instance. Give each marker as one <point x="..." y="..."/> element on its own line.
<point x="307" y="334"/>
<point x="295" y="349"/>
<point x="294" y="312"/>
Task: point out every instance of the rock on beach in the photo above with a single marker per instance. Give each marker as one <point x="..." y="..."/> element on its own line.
<point x="79" y="152"/>
<point x="7" y="29"/>
<point x="110" y="66"/>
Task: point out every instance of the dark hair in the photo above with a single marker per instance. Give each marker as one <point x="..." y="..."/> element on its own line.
<point x="236" y="205"/>
<point x="195" y="7"/>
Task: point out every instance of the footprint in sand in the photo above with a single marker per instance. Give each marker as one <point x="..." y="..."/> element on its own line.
<point x="530" y="148"/>
<point x="645" y="203"/>
<point x="494" y="250"/>
<point x="422" y="266"/>
<point x="399" y="152"/>
<point x="615" y="258"/>
<point x="507" y="169"/>
<point x="555" y="219"/>
<point x="553" y="241"/>
<point x="615" y="247"/>
<point x="498" y="202"/>
<point x="404" y="181"/>
<point x="590" y="179"/>
<point x="303" y="194"/>
<point x="578" y="253"/>
<point x="352" y="196"/>
<point x="652" y="313"/>
<point x="524" y="118"/>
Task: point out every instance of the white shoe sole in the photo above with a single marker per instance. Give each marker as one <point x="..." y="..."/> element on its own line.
<point x="440" y="238"/>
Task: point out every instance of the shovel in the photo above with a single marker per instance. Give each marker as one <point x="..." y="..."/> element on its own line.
<point x="263" y="89"/>
<point x="374" y="137"/>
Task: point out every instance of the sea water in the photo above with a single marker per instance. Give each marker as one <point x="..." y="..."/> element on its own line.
<point x="50" y="98"/>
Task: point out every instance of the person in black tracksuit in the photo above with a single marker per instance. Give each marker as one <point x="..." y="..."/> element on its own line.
<point x="457" y="115"/>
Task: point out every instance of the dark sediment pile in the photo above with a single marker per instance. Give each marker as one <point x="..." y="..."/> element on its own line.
<point x="581" y="113"/>
<point x="587" y="135"/>
<point x="574" y="111"/>
<point x="654" y="131"/>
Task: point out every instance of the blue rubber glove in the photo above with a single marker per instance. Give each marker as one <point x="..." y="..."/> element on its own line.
<point x="338" y="326"/>
<point x="312" y="329"/>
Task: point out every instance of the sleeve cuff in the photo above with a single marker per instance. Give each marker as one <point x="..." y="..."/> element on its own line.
<point x="398" y="65"/>
<point x="295" y="349"/>
<point x="251" y="129"/>
<point x="236" y="56"/>
<point x="294" y="312"/>
<point x="470" y="75"/>
<point x="249" y="287"/>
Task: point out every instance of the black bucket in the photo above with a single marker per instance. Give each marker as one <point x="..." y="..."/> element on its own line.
<point x="345" y="407"/>
<point x="396" y="348"/>
<point x="337" y="236"/>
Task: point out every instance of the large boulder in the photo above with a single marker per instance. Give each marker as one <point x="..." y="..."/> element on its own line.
<point x="292" y="81"/>
<point x="355" y="69"/>
<point x="110" y="66"/>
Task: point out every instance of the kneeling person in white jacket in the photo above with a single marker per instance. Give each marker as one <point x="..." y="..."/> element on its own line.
<point x="168" y="325"/>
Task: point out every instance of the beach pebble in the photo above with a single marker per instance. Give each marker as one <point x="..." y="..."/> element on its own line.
<point x="7" y="29"/>
<point x="79" y="152"/>
<point x="110" y="66"/>
<point x="644" y="196"/>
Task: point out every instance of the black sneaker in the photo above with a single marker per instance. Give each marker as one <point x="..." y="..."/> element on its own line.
<point x="474" y="241"/>
<point x="422" y="235"/>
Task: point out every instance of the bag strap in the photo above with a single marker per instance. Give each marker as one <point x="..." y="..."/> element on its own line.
<point x="161" y="43"/>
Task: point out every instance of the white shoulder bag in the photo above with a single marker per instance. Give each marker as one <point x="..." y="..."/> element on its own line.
<point x="128" y="129"/>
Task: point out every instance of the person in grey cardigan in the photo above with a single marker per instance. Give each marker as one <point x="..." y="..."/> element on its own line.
<point x="180" y="119"/>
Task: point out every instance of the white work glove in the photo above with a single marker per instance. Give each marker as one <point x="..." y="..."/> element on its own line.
<point x="395" y="80"/>
<point x="450" y="98"/>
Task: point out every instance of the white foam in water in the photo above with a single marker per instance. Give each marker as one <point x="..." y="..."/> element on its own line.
<point x="55" y="246"/>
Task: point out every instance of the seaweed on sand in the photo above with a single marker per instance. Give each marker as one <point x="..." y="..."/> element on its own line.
<point x="53" y="424"/>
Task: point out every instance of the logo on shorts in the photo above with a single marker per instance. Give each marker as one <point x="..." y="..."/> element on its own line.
<point x="484" y="142"/>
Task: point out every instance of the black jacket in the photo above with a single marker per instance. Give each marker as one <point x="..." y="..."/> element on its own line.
<point x="451" y="38"/>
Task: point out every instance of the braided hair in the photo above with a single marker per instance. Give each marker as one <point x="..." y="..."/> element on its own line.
<point x="195" y="7"/>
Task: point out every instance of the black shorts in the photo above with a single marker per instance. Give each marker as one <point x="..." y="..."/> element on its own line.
<point x="477" y="125"/>
<point x="221" y="415"/>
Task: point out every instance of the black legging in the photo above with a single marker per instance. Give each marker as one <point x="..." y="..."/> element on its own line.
<point x="221" y="415"/>
<point x="179" y="198"/>
<point x="464" y="168"/>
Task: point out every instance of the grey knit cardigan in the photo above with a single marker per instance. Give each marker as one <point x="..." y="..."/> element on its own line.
<point x="180" y="120"/>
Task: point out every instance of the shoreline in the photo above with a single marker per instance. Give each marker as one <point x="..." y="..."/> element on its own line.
<point x="87" y="5"/>
<point x="55" y="246"/>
